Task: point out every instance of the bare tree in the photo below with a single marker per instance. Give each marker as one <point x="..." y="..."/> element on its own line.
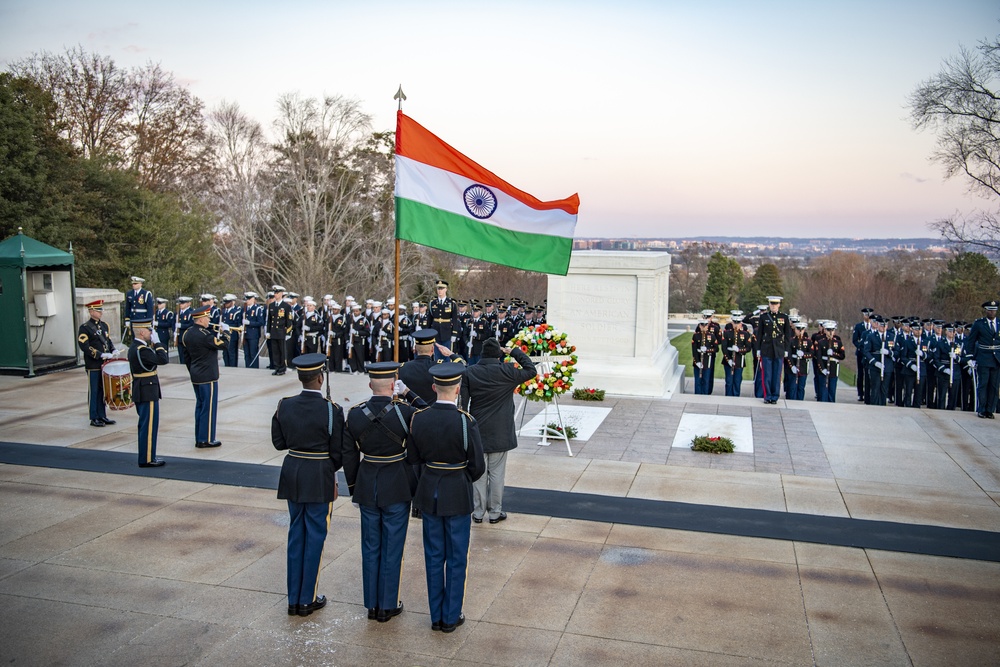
<point x="962" y="105"/>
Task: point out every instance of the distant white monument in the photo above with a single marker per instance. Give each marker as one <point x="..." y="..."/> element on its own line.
<point x="613" y="307"/>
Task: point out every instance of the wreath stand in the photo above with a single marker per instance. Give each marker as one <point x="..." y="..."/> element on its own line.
<point x="544" y="365"/>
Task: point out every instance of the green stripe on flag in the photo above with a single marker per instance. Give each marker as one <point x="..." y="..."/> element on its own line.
<point x="429" y="226"/>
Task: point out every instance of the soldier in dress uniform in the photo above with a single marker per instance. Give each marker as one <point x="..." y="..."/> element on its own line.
<point x="930" y="380"/>
<point x="138" y="303"/>
<point x="709" y="314"/>
<point x="164" y="322"/>
<point x="203" y="346"/>
<point x="94" y="338"/>
<point x="704" y="344"/>
<point x="505" y="327"/>
<point x="982" y="345"/>
<point x="381" y="484"/>
<point x="336" y="329"/>
<point x="311" y="429"/>
<point x="479" y="330"/>
<point x="799" y="359"/>
<point x="292" y="341"/>
<point x="357" y="346"/>
<point x="423" y="320"/>
<point x="232" y="315"/>
<point x="267" y="338"/>
<point x="443" y="313"/>
<point x="773" y="339"/>
<point x="254" y="319"/>
<point x="737" y="344"/>
<point x="384" y="346"/>
<point x="279" y="328"/>
<point x="214" y="314"/>
<point x="405" y="325"/>
<point x="858" y="337"/>
<point x="446" y="446"/>
<point x="948" y="359"/>
<point x="313" y="327"/>
<point x="461" y="332"/>
<point x="183" y="324"/>
<point x="144" y="356"/>
<point x="877" y="361"/>
<point x="831" y="352"/>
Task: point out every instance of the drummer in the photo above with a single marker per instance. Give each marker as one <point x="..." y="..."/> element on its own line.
<point x="144" y="355"/>
<point x="95" y="342"/>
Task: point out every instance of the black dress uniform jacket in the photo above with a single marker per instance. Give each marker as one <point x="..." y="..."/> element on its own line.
<point x="415" y="376"/>
<point x="774" y="335"/>
<point x="443" y="434"/>
<point x="142" y="361"/>
<point x="95" y="339"/>
<point x="279" y="320"/>
<point x="202" y="348"/>
<point x="312" y="428"/>
<point x="383" y="477"/>
<point x="488" y="393"/>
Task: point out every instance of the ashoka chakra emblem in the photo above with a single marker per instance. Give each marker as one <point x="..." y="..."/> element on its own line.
<point x="480" y="201"/>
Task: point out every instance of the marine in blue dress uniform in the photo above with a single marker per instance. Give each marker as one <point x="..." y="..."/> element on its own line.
<point x="203" y="345"/>
<point x="138" y="304"/>
<point x="799" y="359"/>
<point x="164" y="322"/>
<point x="737" y="345"/>
<point x="144" y="355"/>
<point x="831" y="351"/>
<point x="983" y="346"/>
<point x="254" y="319"/>
<point x="94" y="339"/>
<point x="381" y="484"/>
<point x="311" y="428"/>
<point x="446" y="446"/>
<point x="184" y="322"/>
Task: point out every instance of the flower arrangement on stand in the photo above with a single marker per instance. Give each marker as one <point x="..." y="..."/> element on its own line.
<point x="588" y="394"/>
<point x="718" y="444"/>
<point x="556" y="377"/>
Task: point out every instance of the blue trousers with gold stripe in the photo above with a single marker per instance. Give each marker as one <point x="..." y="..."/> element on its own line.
<point x="383" y="536"/>
<point x="206" y="407"/>
<point x="446" y="557"/>
<point x="149" y="424"/>
<point x="95" y="395"/>
<point x="308" y="524"/>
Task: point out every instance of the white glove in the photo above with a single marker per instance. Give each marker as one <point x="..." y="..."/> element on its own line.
<point x="223" y="327"/>
<point x="734" y="348"/>
<point x="795" y="370"/>
<point x="879" y="365"/>
<point x="731" y="362"/>
<point x="305" y="327"/>
<point x="799" y="353"/>
<point x="972" y="363"/>
<point x="920" y="352"/>
<point x="758" y="354"/>
<point x="246" y="322"/>
<point x="883" y="351"/>
<point x="829" y="352"/>
<point x="154" y="337"/>
<point x="699" y="365"/>
<point x="826" y="371"/>
<point x="356" y="506"/>
<point x="106" y="355"/>
<point x="301" y="338"/>
<point x="703" y="349"/>
<point x="786" y="354"/>
<point x="913" y="367"/>
<point x="399" y="388"/>
<point x="947" y="370"/>
<point x="267" y="335"/>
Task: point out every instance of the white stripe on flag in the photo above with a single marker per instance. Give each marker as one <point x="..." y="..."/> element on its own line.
<point x="444" y="190"/>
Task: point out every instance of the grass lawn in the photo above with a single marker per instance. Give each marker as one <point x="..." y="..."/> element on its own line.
<point x="683" y="345"/>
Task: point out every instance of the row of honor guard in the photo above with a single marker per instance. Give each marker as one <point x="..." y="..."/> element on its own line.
<point x="914" y="362"/>
<point x="775" y="346"/>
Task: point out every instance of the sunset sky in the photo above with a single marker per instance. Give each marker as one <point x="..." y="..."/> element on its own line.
<point x="669" y="118"/>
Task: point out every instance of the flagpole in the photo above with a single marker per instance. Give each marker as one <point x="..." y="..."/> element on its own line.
<point x="400" y="96"/>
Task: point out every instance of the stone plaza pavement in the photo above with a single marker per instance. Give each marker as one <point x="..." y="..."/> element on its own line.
<point x="120" y="569"/>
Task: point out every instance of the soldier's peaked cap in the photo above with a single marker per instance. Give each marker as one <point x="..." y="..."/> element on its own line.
<point x="382" y="370"/>
<point x="309" y="362"/>
<point x="774" y="299"/>
<point x="159" y="299"/>
<point x="441" y="283"/>
<point x="142" y="323"/>
<point x="867" y="311"/>
<point x="183" y="299"/>
<point x="137" y="279"/>
<point x="425" y="336"/>
<point x="447" y="374"/>
<point x="277" y="288"/>
<point x="830" y="324"/>
<point x="96" y="305"/>
<point x="991" y="305"/>
<point x="201" y="311"/>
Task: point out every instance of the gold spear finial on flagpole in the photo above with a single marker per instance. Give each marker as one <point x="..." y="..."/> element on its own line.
<point x="400" y="95"/>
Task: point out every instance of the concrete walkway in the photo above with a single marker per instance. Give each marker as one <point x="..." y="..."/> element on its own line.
<point x="112" y="569"/>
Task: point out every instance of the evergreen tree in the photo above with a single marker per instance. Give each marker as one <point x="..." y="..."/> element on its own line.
<point x="765" y="282"/>
<point x="969" y="279"/>
<point x="725" y="279"/>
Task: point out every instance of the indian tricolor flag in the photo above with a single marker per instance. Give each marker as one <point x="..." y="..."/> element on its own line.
<point x="447" y="201"/>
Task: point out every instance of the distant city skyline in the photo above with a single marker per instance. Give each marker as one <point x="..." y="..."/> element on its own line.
<point x="669" y="118"/>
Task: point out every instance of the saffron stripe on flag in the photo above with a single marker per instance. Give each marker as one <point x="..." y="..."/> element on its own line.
<point x="419" y="223"/>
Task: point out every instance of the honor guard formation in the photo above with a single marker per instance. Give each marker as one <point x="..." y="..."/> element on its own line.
<point x="907" y="361"/>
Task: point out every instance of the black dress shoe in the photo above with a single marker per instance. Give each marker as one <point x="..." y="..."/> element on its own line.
<point x="206" y="445"/>
<point x="293" y="610"/>
<point x="107" y="421"/>
<point x="215" y="443"/>
<point x="385" y="614"/>
<point x="415" y="513"/>
<point x="275" y="372"/>
<point x="100" y="424"/>
<point x="981" y="415"/>
<point x="155" y="463"/>
<point x="989" y="415"/>
<point x="373" y="613"/>
<point x="477" y="519"/>
<point x="315" y="605"/>
<point x="450" y="627"/>
<point x="281" y="372"/>
<point x="436" y="625"/>
<point x="501" y="517"/>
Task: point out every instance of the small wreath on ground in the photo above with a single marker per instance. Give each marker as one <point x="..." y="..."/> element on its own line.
<point x="570" y="431"/>
<point x="588" y="394"/>
<point x="544" y="341"/>
<point x="718" y="444"/>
